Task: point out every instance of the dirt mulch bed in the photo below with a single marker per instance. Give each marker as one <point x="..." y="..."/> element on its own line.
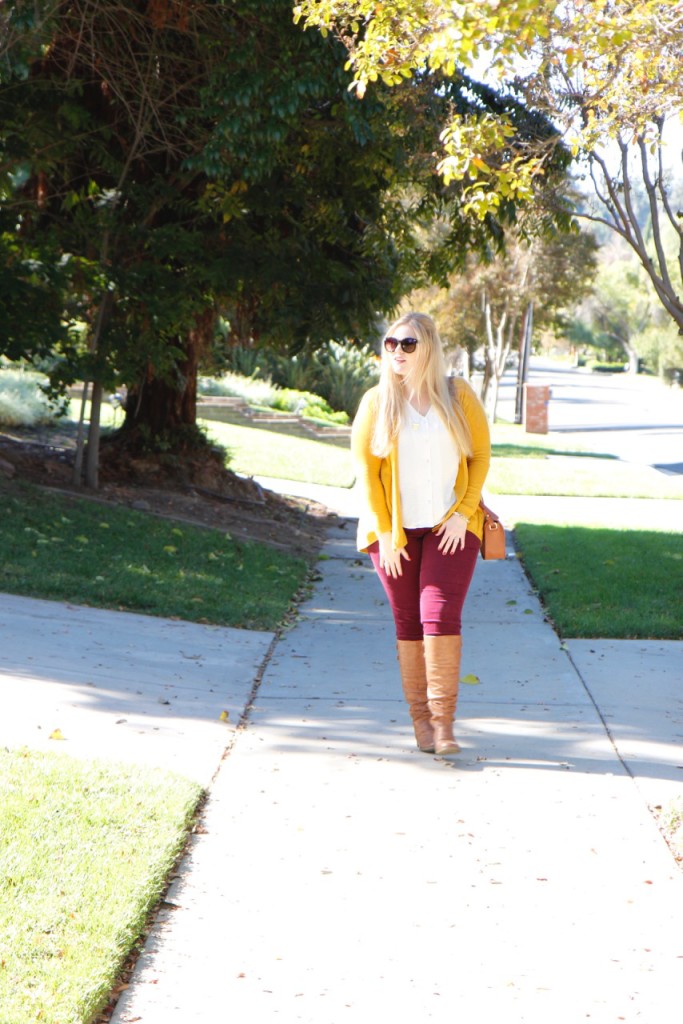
<point x="202" y="492"/>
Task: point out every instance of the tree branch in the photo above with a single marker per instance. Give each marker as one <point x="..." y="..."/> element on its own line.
<point x="654" y="216"/>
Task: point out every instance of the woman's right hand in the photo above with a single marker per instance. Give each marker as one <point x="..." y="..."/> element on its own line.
<point x="390" y="560"/>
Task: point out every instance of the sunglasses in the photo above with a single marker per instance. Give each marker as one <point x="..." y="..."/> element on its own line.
<point x="407" y="344"/>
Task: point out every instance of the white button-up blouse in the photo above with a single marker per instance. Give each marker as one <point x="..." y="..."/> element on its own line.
<point x="428" y="459"/>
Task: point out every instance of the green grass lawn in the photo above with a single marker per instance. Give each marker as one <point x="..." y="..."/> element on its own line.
<point x="521" y="463"/>
<point x="76" y="550"/>
<point x="85" y="852"/>
<point x="550" y="464"/>
<point x="572" y="476"/>
<point x="597" y="577"/>
<point x="600" y="582"/>
<point x="282" y="452"/>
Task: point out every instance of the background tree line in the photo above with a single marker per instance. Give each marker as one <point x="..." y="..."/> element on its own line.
<point x="165" y="162"/>
<point x="608" y="76"/>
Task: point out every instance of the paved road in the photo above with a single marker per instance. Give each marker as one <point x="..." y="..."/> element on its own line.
<point x="636" y="418"/>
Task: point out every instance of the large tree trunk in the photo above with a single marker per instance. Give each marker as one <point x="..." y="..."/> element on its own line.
<point x="162" y="407"/>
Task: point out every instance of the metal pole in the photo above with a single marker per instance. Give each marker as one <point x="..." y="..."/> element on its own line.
<point x="523" y="367"/>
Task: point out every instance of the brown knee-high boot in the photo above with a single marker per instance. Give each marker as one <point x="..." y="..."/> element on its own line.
<point x="411" y="662"/>
<point x="442" y="659"/>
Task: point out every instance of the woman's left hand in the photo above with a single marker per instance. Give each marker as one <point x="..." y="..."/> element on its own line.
<point x="452" y="534"/>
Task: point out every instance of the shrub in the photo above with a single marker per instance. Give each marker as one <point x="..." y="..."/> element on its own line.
<point x="608" y="367"/>
<point x="233" y="385"/>
<point x="263" y="392"/>
<point x="337" y="372"/>
<point x="23" y="403"/>
<point x="346" y="374"/>
<point x="305" y="403"/>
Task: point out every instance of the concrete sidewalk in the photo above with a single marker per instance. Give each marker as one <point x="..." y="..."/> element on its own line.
<point x="344" y="876"/>
<point x="123" y="687"/>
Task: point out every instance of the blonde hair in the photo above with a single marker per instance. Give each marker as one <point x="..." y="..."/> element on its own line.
<point x="427" y="376"/>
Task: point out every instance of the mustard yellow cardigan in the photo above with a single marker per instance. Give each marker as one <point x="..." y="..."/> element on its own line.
<point x="377" y="478"/>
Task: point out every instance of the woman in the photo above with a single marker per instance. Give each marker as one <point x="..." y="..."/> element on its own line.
<point x="421" y="447"/>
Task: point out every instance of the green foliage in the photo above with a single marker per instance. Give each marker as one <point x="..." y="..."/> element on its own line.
<point x="221" y="163"/>
<point x="85" y="854"/>
<point x="553" y="272"/>
<point x="661" y="347"/>
<point x="622" y="321"/>
<point x="256" y="390"/>
<point x="263" y="393"/>
<point x="305" y="403"/>
<point x="23" y="401"/>
<point x="33" y="281"/>
<point x="338" y="373"/>
<point x="162" y="194"/>
<point x="607" y="367"/>
<point x="594" y="68"/>
<point x="346" y="373"/>
<point x="671" y="824"/>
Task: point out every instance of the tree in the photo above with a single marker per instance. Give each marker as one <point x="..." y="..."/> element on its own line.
<point x="199" y="166"/>
<point x="617" y="62"/>
<point x="96" y="138"/>
<point x="486" y="306"/>
<point x="632" y="170"/>
<point x="218" y="161"/>
<point x="607" y="72"/>
<point x="622" y="320"/>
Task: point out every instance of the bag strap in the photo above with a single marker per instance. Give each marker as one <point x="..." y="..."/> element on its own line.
<point x="488" y="512"/>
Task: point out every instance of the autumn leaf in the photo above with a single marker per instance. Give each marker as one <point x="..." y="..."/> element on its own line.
<point x="471" y="679"/>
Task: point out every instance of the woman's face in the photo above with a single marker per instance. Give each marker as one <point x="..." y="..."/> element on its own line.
<point x="401" y="362"/>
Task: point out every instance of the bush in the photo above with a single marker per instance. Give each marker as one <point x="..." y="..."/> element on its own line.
<point x="346" y="374"/>
<point x="661" y="346"/>
<point x="22" y="401"/>
<point x="234" y="385"/>
<point x="608" y="367"/>
<point x="339" y="373"/>
<point x="305" y="403"/>
<point x="264" y="393"/>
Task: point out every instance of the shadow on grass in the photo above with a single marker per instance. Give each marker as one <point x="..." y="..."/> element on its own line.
<point x="515" y="451"/>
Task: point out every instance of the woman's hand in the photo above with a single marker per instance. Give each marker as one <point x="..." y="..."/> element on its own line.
<point x="390" y="560"/>
<point x="452" y="534"/>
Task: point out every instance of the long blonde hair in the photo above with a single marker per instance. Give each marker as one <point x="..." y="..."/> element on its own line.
<point x="428" y="376"/>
